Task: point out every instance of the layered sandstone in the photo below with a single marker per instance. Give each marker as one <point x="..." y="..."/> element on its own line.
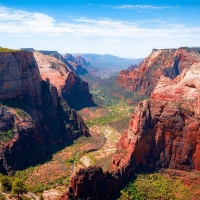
<point x="167" y="62"/>
<point x="31" y="109"/>
<point x="70" y="87"/>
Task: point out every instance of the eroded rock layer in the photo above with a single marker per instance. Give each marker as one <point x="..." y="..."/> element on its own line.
<point x="167" y="62"/>
<point x="34" y="121"/>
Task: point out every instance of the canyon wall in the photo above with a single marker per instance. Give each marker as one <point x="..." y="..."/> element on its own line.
<point x="34" y="120"/>
<point x="167" y="62"/>
<point x="70" y="87"/>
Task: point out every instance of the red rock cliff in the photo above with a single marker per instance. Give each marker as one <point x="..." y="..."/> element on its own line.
<point x="70" y="87"/>
<point x="34" y="122"/>
<point x="167" y="62"/>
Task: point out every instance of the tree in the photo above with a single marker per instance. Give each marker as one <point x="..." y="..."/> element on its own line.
<point x="6" y="184"/>
<point x="41" y="197"/>
<point x="18" y="187"/>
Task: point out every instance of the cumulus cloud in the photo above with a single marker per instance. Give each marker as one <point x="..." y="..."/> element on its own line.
<point x="21" y="22"/>
<point x="102" y="31"/>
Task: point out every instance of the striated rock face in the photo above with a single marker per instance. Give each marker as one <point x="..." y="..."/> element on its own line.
<point x="184" y="89"/>
<point x="160" y="135"/>
<point x="167" y="62"/>
<point x="70" y="87"/>
<point x="164" y="131"/>
<point x="30" y="108"/>
<point x="99" y="184"/>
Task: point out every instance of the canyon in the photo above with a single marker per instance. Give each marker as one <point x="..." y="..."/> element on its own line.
<point x="35" y="117"/>
<point x="41" y="92"/>
<point x="163" y="132"/>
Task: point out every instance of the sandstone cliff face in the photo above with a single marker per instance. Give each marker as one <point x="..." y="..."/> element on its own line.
<point x="19" y="76"/>
<point x="167" y="62"/>
<point x="32" y="111"/>
<point x="70" y="87"/>
<point x="164" y="131"/>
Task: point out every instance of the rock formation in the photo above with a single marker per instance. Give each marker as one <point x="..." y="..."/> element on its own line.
<point x="78" y="63"/>
<point x="131" y="67"/>
<point x="70" y="87"/>
<point x="99" y="184"/>
<point x="34" y="120"/>
<point x="167" y="62"/>
<point x="164" y="131"/>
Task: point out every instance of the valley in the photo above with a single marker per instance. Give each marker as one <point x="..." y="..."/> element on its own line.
<point x="66" y="132"/>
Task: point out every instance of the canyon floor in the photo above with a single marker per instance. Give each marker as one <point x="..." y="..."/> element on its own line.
<point x="106" y="124"/>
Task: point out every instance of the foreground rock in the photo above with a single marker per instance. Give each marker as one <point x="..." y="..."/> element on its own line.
<point x="34" y="121"/>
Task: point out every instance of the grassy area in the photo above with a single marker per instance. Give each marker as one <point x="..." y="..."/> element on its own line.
<point x="6" y="50"/>
<point x="6" y="136"/>
<point x="155" y="186"/>
<point x="118" y="112"/>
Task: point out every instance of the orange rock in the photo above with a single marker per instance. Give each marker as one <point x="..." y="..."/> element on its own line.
<point x="167" y="62"/>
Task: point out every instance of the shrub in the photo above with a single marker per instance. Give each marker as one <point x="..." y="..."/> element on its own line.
<point x="155" y="186"/>
<point x="6" y="184"/>
<point x="18" y="187"/>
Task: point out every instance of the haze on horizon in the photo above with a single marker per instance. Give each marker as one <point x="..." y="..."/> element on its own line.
<point x="121" y="28"/>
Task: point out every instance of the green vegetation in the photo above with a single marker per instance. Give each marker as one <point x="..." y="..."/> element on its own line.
<point x="118" y="112"/>
<point x="155" y="186"/>
<point x="13" y="185"/>
<point x="18" y="187"/>
<point x="6" y="50"/>
<point x="6" y="136"/>
<point x="6" y="183"/>
<point x="107" y="93"/>
<point x="2" y="196"/>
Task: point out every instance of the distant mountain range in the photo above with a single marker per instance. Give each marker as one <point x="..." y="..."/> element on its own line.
<point x="107" y="65"/>
<point x="97" y="65"/>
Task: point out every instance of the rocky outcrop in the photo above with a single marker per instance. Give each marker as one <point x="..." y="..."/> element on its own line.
<point x="167" y="62"/>
<point x="70" y="87"/>
<point x="99" y="184"/>
<point x="184" y="89"/>
<point x="131" y="67"/>
<point x="41" y="122"/>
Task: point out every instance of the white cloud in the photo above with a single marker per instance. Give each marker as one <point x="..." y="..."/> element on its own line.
<point x="140" y="7"/>
<point x="22" y="22"/>
<point x="93" y="34"/>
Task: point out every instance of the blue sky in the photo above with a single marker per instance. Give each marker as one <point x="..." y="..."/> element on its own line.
<point x="124" y="28"/>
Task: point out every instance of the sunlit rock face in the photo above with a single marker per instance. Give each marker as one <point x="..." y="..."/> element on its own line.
<point x="167" y="62"/>
<point x="70" y="87"/>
